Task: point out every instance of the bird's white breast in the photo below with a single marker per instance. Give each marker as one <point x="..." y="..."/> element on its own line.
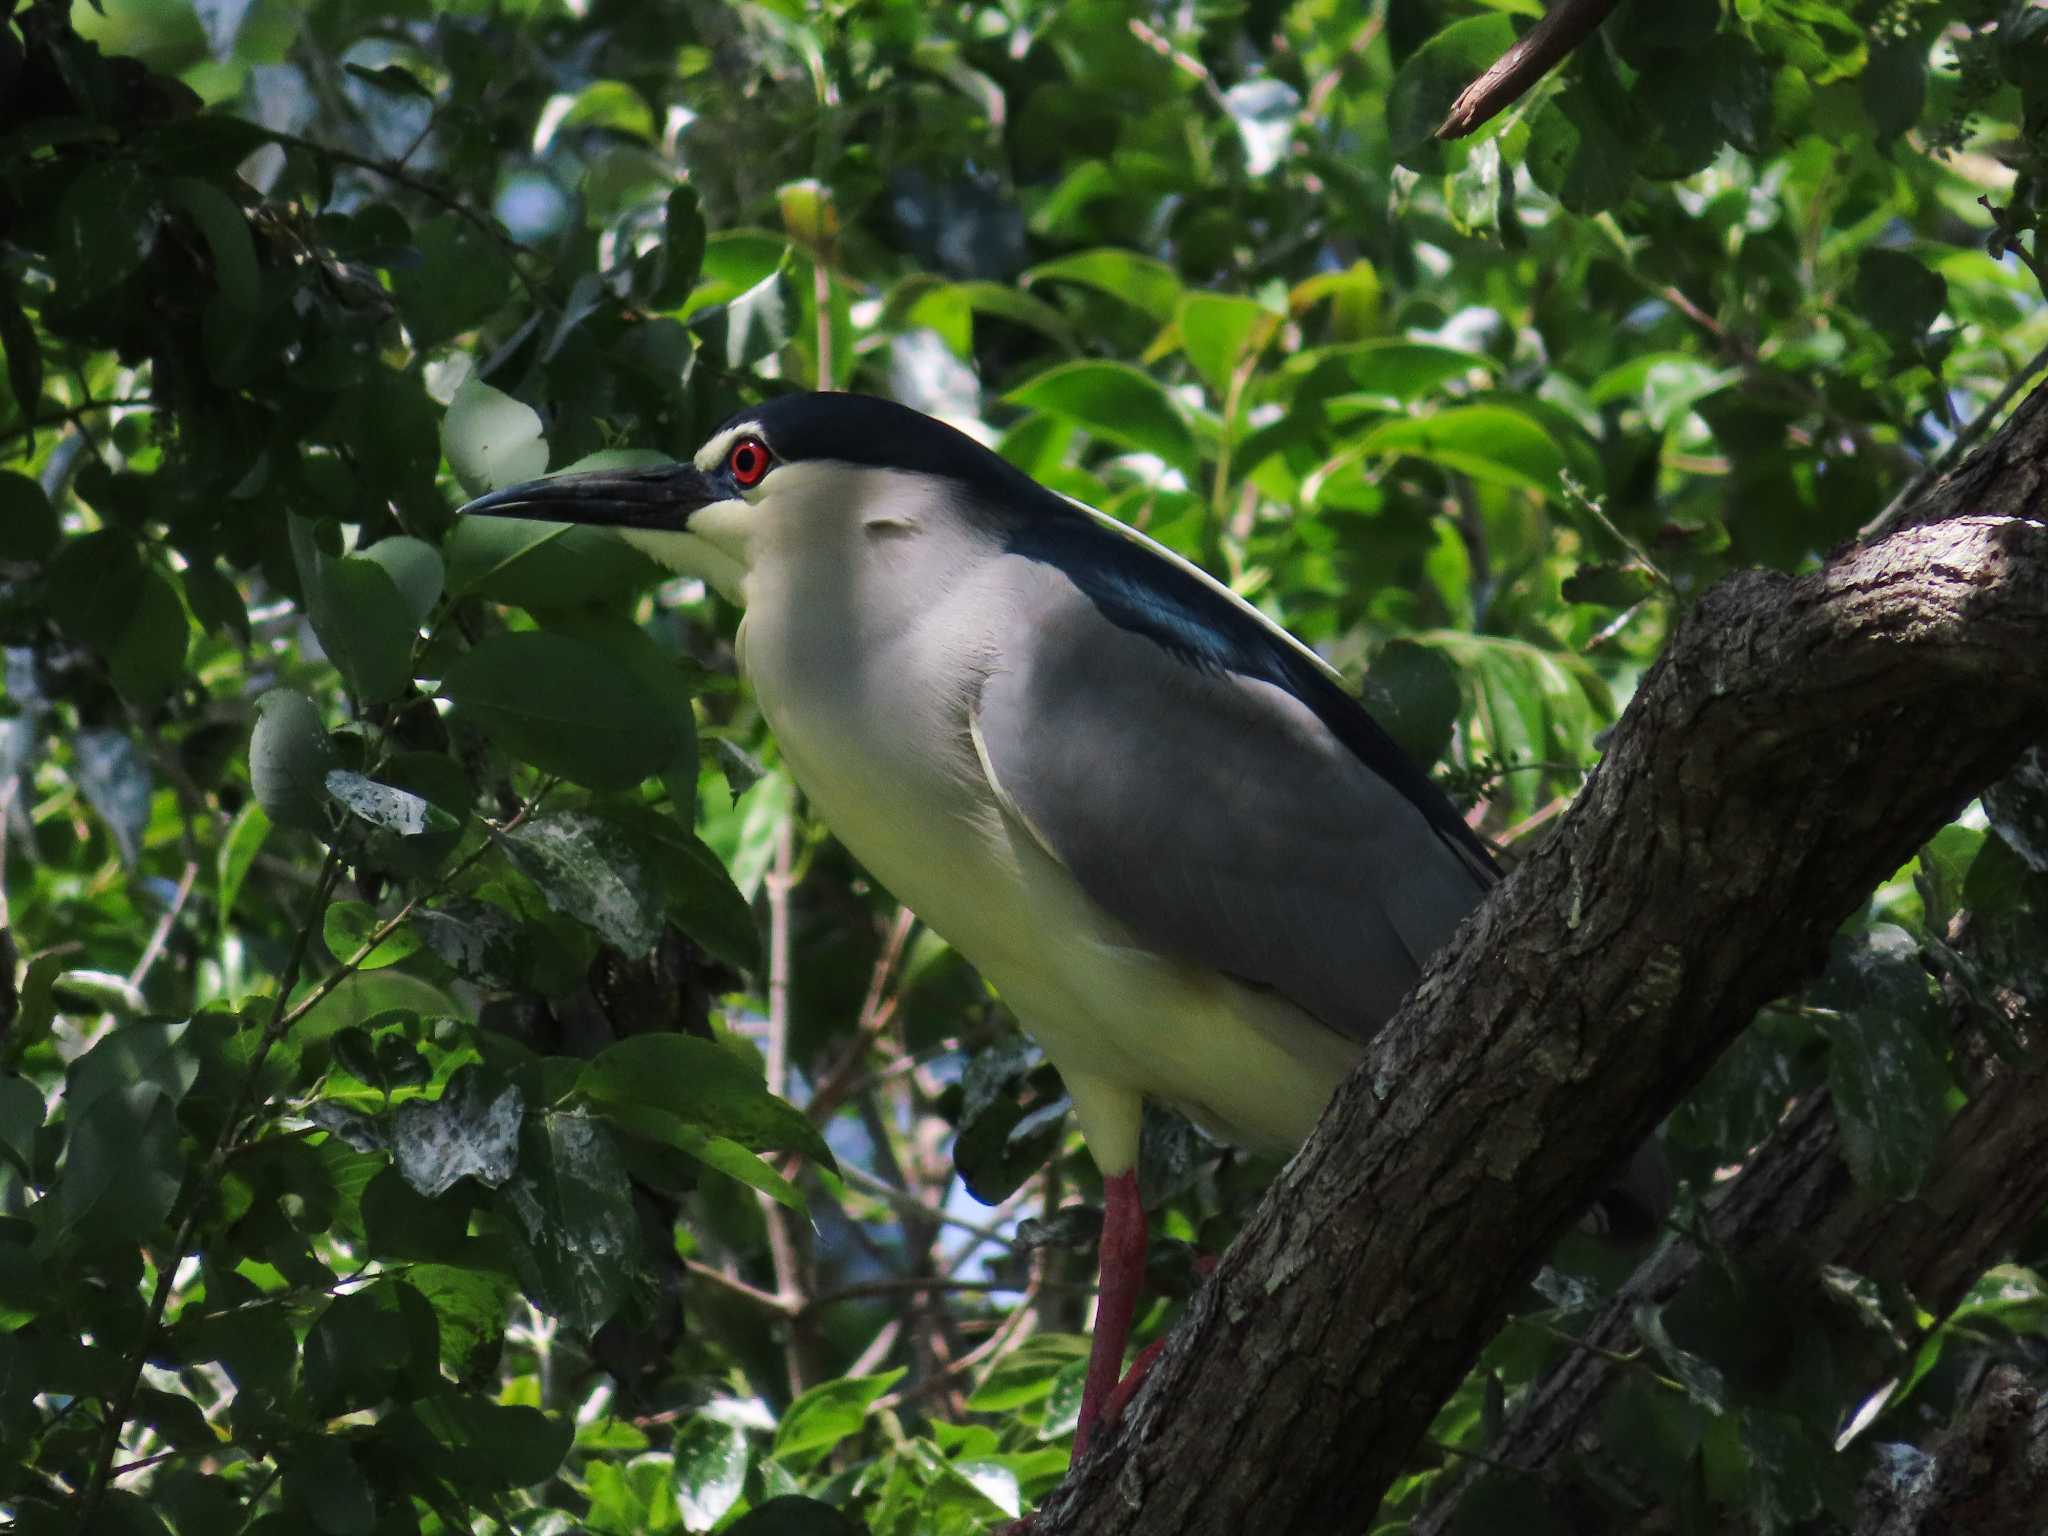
<point x="866" y="646"/>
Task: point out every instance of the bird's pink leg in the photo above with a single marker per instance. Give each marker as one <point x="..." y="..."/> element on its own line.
<point x="1122" y="1276"/>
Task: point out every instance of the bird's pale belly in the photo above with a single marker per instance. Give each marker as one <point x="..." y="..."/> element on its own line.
<point x="1118" y="1021"/>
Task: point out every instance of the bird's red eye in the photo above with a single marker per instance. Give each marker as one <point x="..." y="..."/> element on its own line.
<point x="748" y="462"/>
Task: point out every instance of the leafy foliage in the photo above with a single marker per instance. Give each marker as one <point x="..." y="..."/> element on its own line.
<point x="446" y="1080"/>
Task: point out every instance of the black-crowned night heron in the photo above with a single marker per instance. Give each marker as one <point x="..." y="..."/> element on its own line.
<point x="1193" y="864"/>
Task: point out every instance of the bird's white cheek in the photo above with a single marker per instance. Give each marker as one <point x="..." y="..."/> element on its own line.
<point x="715" y="547"/>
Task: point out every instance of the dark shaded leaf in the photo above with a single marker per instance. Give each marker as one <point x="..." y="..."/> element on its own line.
<point x="588" y="869"/>
<point x="1898" y="294"/>
<point x="561" y="705"/>
<point x="704" y="1084"/>
<point x="1888" y="1079"/>
<point x="1116" y="403"/>
<point x="570" y="1203"/>
<point x="289" y="760"/>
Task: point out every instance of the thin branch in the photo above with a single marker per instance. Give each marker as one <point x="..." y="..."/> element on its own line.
<point x="917" y="1285"/>
<point x="122" y="1404"/>
<point x="71" y="414"/>
<point x="903" y="1200"/>
<point x="877" y="1012"/>
<point x="1952" y="455"/>
<point x="162" y="933"/>
<point x="1546" y="45"/>
<point x="780" y="1223"/>
<point x="732" y="1285"/>
<point x="413" y="182"/>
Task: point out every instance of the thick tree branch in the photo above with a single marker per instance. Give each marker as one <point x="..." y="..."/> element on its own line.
<point x="1798" y="741"/>
<point x="1547" y="44"/>
<point x="1987" y="1477"/>
<point x="1987" y="1185"/>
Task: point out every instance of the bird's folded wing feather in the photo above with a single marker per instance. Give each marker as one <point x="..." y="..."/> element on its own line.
<point x="1214" y="814"/>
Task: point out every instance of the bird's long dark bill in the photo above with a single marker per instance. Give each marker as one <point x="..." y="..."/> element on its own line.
<point x="662" y="497"/>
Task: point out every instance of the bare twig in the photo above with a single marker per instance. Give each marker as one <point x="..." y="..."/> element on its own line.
<point x="877" y="1012"/>
<point x="1547" y="44"/>
<point x="162" y="933"/>
<point x="780" y="1223"/>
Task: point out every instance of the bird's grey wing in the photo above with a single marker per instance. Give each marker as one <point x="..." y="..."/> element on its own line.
<point x="1214" y="814"/>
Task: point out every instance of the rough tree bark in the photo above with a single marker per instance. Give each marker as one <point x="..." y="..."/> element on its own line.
<point x="1797" y="742"/>
<point x="1987" y="1477"/>
<point x="1987" y="1185"/>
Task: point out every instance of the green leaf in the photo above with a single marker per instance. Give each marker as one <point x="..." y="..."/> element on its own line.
<point x="244" y="840"/>
<point x="588" y="869"/>
<point x="472" y="1130"/>
<point x="21" y="1116"/>
<point x="1610" y="586"/>
<point x="1412" y="691"/>
<point x="225" y="229"/>
<point x="38" y="1010"/>
<point x="1002" y="1139"/>
<point x="123" y="1167"/>
<point x="395" y="810"/>
<point x="95" y="585"/>
<point x="24" y="349"/>
<point x="668" y="273"/>
<point x="564" y="706"/>
<point x="1886" y="1075"/>
<point x="106" y="227"/>
<point x="706" y="1085"/>
<point x="1665" y="385"/>
<point x="1702" y="1382"/>
<point x="1577" y="155"/>
<point x="28" y="523"/>
<point x="1140" y="281"/>
<point x="1117" y="403"/>
<point x="289" y="760"/>
<point x="480" y="941"/>
<point x="1218" y="331"/>
<point x="545" y="565"/>
<point x="1432" y="77"/>
<point x="715" y="1152"/>
<point x="1026" y="1374"/>
<point x="792" y="1514"/>
<point x="711" y="1470"/>
<point x="1488" y="442"/>
<point x="1898" y="294"/>
<point x="357" y="1350"/>
<point x="701" y="897"/>
<point x="1402" y="371"/>
<point x="365" y="624"/>
<point x="748" y="327"/>
<point x="658" y="672"/>
<point x="492" y="440"/>
<point x="570" y="1202"/>
<point x="461" y="279"/>
<point x="470" y="1307"/>
<point x="415" y="568"/>
<point x="828" y="1414"/>
<point x="495" y="1446"/>
<point x="348" y="926"/>
<point x="322" y="1478"/>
